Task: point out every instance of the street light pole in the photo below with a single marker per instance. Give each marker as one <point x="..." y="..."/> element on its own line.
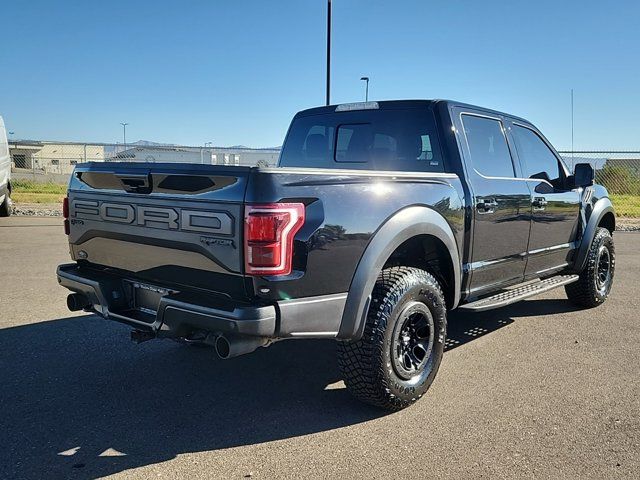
<point x="366" y="94"/>
<point x="11" y="137"/>
<point x="124" y="134"/>
<point x="328" y="52"/>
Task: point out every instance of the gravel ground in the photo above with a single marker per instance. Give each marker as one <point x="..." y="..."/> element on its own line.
<point x="37" y="209"/>
<point x="535" y="390"/>
<point x="628" y="224"/>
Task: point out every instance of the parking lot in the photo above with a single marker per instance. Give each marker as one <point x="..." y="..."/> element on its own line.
<point x="537" y="389"/>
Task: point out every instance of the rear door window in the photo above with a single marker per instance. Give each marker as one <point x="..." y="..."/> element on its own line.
<point x="488" y="146"/>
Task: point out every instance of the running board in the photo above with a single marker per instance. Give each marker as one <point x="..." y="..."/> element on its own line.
<point x="518" y="293"/>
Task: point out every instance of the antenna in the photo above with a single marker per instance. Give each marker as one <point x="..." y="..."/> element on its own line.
<point x="572" y="161"/>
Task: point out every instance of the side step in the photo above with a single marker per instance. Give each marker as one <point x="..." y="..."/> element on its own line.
<point x="517" y="293"/>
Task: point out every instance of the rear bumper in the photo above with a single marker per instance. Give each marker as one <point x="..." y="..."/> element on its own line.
<point x="179" y="313"/>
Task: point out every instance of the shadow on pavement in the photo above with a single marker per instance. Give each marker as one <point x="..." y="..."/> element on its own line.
<point x="464" y="327"/>
<point x="78" y="400"/>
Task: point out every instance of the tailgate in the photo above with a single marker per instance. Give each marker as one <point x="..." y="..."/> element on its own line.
<point x="171" y="223"/>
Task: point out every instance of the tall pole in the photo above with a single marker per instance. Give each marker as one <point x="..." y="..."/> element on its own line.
<point x="124" y="134"/>
<point x="366" y="94"/>
<point x="328" y="52"/>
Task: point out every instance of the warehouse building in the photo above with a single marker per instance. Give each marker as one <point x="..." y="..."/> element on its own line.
<point x="249" y="157"/>
<point x="61" y="157"/>
<point x="52" y="157"/>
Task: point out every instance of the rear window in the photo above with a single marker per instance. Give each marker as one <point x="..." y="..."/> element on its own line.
<point x="403" y="140"/>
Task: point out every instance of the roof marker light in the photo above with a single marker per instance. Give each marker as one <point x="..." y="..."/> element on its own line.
<point x="347" y="107"/>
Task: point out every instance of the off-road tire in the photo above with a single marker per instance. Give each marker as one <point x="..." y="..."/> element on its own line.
<point x="5" y="207"/>
<point x="585" y="292"/>
<point x="367" y="364"/>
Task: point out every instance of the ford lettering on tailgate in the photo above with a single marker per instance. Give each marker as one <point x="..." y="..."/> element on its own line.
<point x="220" y="223"/>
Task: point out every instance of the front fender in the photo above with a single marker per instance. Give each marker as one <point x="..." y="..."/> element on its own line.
<point x="406" y="224"/>
<point x="599" y="210"/>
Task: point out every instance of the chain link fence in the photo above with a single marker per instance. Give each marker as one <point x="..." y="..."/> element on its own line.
<point x="49" y="160"/>
<point x="618" y="171"/>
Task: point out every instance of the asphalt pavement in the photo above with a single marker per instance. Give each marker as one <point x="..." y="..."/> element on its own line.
<point x="535" y="390"/>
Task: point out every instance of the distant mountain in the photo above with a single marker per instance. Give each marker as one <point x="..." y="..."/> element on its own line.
<point x="147" y="143"/>
<point x="241" y="147"/>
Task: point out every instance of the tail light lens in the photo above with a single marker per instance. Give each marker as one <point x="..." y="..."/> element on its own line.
<point x="65" y="214"/>
<point x="268" y="237"/>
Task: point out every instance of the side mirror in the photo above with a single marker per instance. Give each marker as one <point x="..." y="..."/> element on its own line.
<point x="583" y="175"/>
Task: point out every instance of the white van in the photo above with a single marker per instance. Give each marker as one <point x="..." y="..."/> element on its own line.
<point x="5" y="173"/>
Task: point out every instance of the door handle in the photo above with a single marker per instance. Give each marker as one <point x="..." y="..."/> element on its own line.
<point x="539" y="203"/>
<point x="486" y="205"/>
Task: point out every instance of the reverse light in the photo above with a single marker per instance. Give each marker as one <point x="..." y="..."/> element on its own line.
<point x="268" y="237"/>
<point x="65" y="214"/>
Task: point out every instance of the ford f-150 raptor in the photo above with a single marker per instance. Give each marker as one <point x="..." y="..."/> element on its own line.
<point x="379" y="219"/>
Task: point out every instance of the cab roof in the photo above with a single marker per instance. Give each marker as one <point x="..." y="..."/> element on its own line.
<point x="402" y="105"/>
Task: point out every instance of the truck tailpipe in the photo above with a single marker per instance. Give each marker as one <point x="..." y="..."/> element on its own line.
<point x="234" y="346"/>
<point x="77" y="302"/>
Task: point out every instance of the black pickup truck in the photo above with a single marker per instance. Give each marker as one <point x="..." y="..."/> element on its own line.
<point x="380" y="218"/>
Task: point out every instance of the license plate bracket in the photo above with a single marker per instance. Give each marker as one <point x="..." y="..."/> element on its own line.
<point x="146" y="298"/>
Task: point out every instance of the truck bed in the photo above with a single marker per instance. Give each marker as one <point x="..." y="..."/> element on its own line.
<point x="181" y="225"/>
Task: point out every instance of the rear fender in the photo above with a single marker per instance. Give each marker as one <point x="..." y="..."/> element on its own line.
<point x="405" y="224"/>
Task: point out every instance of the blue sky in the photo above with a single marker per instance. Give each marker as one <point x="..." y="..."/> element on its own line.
<point x="235" y="71"/>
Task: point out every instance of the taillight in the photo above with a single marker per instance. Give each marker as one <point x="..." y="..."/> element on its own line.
<point x="268" y="237"/>
<point x="65" y="214"/>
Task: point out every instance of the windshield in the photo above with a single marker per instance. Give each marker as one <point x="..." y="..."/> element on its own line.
<point x="403" y="140"/>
